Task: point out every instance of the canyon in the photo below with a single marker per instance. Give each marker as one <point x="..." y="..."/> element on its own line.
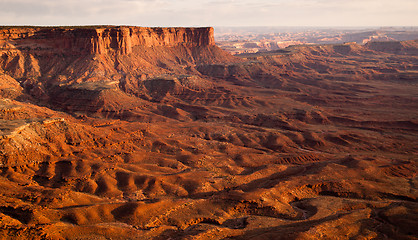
<point x="122" y="132"/>
<point x="238" y="40"/>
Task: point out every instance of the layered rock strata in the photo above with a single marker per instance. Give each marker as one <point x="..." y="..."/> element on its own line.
<point x="104" y="39"/>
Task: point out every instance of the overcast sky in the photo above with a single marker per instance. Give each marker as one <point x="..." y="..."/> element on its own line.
<point x="210" y="12"/>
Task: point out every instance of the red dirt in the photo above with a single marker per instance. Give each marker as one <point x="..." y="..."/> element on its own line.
<point x="175" y="138"/>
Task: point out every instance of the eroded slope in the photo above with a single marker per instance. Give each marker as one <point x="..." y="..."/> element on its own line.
<point x="187" y="142"/>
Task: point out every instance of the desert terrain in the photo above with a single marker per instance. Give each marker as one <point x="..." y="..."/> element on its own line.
<point x="111" y="132"/>
<point x="238" y="40"/>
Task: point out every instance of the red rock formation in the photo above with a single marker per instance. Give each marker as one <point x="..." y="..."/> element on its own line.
<point x="404" y="47"/>
<point x="180" y="140"/>
<point x="102" y="39"/>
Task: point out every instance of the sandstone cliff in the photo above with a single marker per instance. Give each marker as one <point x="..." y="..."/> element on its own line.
<point x="102" y="39"/>
<point x="92" y="53"/>
<point x="47" y="61"/>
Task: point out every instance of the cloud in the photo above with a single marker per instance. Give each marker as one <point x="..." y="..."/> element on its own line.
<point x="209" y="12"/>
<point x="71" y="12"/>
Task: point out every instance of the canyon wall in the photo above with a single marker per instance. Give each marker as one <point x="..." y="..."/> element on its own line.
<point x="102" y="39"/>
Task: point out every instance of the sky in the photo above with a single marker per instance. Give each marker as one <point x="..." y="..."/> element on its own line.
<point x="210" y="12"/>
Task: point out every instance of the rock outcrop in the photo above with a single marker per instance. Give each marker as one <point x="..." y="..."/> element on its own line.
<point x="104" y="39"/>
<point x="403" y="47"/>
<point x="101" y="53"/>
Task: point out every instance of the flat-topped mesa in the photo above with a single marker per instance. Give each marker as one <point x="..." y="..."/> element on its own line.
<point x="100" y="40"/>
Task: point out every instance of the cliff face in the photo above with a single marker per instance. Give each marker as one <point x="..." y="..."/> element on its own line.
<point x="101" y="40"/>
<point x="404" y="47"/>
<point x="64" y="54"/>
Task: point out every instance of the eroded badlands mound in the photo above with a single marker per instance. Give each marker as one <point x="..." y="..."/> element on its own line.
<point x="156" y="133"/>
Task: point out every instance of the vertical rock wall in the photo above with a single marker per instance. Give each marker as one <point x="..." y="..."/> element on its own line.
<point x="100" y="40"/>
